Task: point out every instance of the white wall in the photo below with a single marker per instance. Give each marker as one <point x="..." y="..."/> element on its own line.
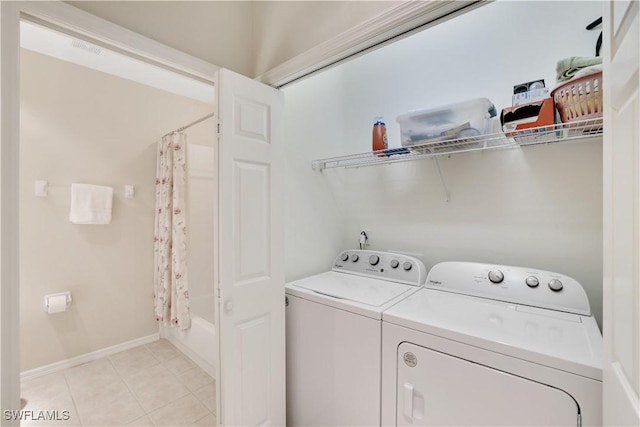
<point x="80" y="125"/>
<point x="314" y="222"/>
<point x="538" y="206"/>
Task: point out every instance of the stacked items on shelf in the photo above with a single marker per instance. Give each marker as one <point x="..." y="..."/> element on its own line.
<point x="467" y="126"/>
<point x="559" y="132"/>
<point x="578" y="96"/>
<point x="577" y="99"/>
<point x="532" y="113"/>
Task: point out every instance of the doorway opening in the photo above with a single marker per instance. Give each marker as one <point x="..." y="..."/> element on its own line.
<point x="93" y="115"/>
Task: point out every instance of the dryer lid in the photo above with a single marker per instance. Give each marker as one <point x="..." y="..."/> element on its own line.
<point x="362" y="290"/>
<point x="565" y="341"/>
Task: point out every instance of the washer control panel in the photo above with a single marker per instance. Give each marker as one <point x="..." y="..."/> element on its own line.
<point x="383" y="265"/>
<point x="520" y="285"/>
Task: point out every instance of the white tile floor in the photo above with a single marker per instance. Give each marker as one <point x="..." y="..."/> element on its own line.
<point x="150" y="385"/>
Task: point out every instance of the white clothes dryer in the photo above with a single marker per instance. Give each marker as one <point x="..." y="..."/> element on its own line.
<point x="488" y="345"/>
<point x="334" y="336"/>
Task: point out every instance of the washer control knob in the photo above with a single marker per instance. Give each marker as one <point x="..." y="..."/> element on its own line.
<point x="407" y="265"/>
<point x="532" y="281"/>
<point x="395" y="263"/>
<point x="555" y="285"/>
<point x="355" y="257"/>
<point x="344" y="257"/>
<point x="374" y="259"/>
<point x="496" y="276"/>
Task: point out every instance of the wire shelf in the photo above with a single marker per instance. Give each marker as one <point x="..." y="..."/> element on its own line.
<point x="429" y="148"/>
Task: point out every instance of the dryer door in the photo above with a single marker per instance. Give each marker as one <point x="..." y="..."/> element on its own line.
<point x="436" y="389"/>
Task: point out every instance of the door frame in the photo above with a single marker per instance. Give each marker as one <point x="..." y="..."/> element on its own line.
<point x="68" y="19"/>
<point x="621" y="370"/>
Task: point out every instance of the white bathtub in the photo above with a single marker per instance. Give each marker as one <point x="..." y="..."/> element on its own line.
<point x="199" y="343"/>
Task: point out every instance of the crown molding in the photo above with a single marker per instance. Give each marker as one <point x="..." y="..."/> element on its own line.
<point x="398" y="22"/>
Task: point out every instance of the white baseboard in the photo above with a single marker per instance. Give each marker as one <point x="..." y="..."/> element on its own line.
<point x="197" y="359"/>
<point x="85" y="358"/>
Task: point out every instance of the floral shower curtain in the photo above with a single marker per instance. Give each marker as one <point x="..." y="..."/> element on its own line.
<point x="171" y="293"/>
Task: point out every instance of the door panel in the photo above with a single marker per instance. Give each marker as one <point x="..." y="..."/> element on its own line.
<point x="250" y="253"/>
<point x="436" y="389"/>
<point x="253" y="119"/>
<point x="621" y="177"/>
<point x="252" y="213"/>
<point x="254" y="338"/>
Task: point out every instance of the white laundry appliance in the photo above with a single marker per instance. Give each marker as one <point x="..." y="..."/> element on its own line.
<point x="488" y="345"/>
<point x="334" y="334"/>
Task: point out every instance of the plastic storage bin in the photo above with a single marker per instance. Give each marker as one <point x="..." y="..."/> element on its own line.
<point x="462" y="120"/>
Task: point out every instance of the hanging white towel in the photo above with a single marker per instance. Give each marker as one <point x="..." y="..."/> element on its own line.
<point x="90" y="204"/>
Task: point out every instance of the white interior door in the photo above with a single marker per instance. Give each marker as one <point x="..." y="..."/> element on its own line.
<point x="621" y="169"/>
<point x="251" y="383"/>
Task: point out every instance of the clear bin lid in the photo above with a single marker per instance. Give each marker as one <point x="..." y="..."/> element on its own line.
<point x="464" y="108"/>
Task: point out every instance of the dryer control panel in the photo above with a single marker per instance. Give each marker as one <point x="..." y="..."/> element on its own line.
<point x="382" y="265"/>
<point x="520" y="285"/>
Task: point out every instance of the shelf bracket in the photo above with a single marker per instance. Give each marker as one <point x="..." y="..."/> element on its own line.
<point x="444" y="184"/>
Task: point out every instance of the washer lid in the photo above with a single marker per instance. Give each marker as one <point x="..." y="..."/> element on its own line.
<point x="564" y="341"/>
<point x="374" y="293"/>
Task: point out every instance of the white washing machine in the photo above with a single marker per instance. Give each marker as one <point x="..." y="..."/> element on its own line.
<point x="334" y="336"/>
<point x="492" y="345"/>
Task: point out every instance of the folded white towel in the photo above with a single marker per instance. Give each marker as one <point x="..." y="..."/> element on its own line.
<point x="593" y="69"/>
<point x="588" y="70"/>
<point x="90" y="204"/>
<point x="567" y="67"/>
